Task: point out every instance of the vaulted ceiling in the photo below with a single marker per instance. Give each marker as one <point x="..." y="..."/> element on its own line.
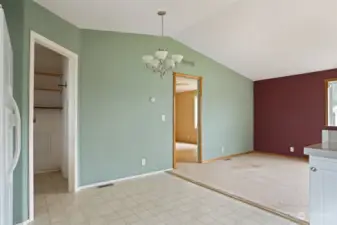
<point x="259" y="39"/>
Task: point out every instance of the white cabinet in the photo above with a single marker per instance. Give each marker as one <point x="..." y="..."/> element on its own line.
<point x="323" y="191"/>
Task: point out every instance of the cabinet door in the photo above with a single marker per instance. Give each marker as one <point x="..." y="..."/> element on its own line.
<point x="323" y="193"/>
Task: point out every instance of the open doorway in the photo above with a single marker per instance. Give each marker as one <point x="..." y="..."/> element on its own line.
<point x="50" y="152"/>
<point x="52" y="122"/>
<point x="187" y="123"/>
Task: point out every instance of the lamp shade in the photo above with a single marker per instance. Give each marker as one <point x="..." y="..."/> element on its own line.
<point x="177" y="58"/>
<point x="147" y="58"/>
<point x="155" y="63"/>
<point x="169" y="63"/>
<point x="161" y="54"/>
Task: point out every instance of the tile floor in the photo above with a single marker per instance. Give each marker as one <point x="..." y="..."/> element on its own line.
<point x="277" y="182"/>
<point x="160" y="199"/>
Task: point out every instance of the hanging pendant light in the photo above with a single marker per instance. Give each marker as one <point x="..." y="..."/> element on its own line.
<point x="161" y="62"/>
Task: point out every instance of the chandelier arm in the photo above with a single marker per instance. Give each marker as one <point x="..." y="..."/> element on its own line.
<point x="148" y="66"/>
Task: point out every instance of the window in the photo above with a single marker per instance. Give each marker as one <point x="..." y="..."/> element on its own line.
<point x="331" y="102"/>
<point x="196" y="111"/>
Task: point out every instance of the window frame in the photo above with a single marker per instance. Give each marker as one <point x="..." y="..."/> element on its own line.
<point x="328" y="109"/>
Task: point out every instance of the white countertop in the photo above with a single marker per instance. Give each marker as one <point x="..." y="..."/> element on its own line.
<point x="325" y="149"/>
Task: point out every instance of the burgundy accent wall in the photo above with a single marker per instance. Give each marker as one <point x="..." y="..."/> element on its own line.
<point x="289" y="111"/>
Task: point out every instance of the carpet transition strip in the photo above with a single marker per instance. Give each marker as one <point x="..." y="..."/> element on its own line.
<point x="270" y="210"/>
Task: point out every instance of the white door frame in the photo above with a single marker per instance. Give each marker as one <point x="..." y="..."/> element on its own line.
<point x="72" y="114"/>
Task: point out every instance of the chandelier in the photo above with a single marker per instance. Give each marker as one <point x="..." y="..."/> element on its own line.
<point x="161" y="62"/>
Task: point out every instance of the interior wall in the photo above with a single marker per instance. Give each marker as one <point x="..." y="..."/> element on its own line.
<point x="47" y="98"/>
<point x="48" y="144"/>
<point x="105" y="155"/>
<point x="290" y="111"/>
<point x="227" y="106"/>
<point x="185" y="127"/>
<point x="49" y="61"/>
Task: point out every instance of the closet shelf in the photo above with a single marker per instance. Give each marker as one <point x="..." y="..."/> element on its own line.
<point x="48" y="89"/>
<point x="48" y="107"/>
<point x="48" y="74"/>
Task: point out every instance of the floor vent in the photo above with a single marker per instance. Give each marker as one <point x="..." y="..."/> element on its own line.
<point x="106" y="185"/>
<point x="227" y="159"/>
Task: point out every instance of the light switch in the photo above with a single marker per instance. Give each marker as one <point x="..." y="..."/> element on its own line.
<point x="163" y="118"/>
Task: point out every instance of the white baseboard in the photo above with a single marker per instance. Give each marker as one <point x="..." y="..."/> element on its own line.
<point x="47" y="171"/>
<point x="24" y="223"/>
<point x="121" y="179"/>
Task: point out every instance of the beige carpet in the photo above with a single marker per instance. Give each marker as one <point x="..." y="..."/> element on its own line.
<point x="276" y="182"/>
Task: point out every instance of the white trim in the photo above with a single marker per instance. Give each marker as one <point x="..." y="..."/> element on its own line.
<point x="24" y="223"/>
<point x="122" y="179"/>
<point x="73" y="114"/>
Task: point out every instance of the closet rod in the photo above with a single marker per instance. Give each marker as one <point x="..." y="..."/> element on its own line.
<point x="48" y="107"/>
<point x="48" y="74"/>
<point x="48" y="89"/>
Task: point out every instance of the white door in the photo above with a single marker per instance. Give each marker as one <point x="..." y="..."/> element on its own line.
<point x="10" y="126"/>
<point x="323" y="187"/>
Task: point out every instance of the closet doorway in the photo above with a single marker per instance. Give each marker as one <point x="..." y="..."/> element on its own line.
<point x="52" y="122"/>
<point x="50" y="94"/>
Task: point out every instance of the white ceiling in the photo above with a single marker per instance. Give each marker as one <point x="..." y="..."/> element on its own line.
<point x="259" y="39"/>
<point x="185" y="84"/>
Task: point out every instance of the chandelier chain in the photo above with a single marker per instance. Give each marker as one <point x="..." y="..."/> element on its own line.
<point x="162" y="25"/>
<point x="161" y="62"/>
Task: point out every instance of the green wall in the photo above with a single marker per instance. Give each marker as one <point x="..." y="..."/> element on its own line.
<point x="49" y="25"/>
<point x="118" y="124"/>
<point x="23" y="16"/>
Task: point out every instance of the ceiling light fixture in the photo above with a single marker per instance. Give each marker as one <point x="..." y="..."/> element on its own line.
<point x="160" y="62"/>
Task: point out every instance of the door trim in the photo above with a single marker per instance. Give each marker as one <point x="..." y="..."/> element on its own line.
<point x="72" y="115"/>
<point x="200" y="82"/>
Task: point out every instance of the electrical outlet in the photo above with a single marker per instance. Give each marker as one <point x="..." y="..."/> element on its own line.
<point x="143" y="161"/>
<point x="163" y="118"/>
<point x="292" y="149"/>
<point x="223" y="149"/>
